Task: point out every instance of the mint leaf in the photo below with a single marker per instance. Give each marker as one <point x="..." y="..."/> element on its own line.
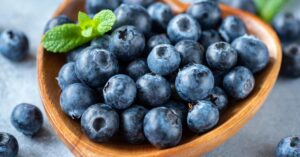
<point x="105" y="20"/>
<point x="268" y="9"/>
<point x="87" y="25"/>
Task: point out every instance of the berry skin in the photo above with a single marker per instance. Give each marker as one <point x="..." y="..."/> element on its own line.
<point x="157" y="40"/>
<point x="119" y="91"/>
<point x="132" y="124"/>
<point x="94" y="6"/>
<point x="143" y="3"/>
<point x="183" y="27"/>
<point x="162" y="127"/>
<point x="27" y="118"/>
<point x="163" y="59"/>
<point x="221" y="56"/>
<point x="252" y="53"/>
<point x="209" y="37"/>
<point x="127" y="43"/>
<point x="194" y="82"/>
<point x="14" y="45"/>
<point x="153" y="90"/>
<point x="190" y="52"/>
<point x="239" y="82"/>
<point x="246" y="5"/>
<point x="67" y="76"/>
<point x="100" y="122"/>
<point x="57" y="21"/>
<point x="76" y="98"/>
<point x="231" y="28"/>
<point x="202" y="117"/>
<point x="291" y="61"/>
<point x="101" y="42"/>
<point x="161" y="14"/>
<point x="137" y="68"/>
<point x="219" y="98"/>
<point x="9" y="146"/>
<point x="288" y="147"/>
<point x="74" y="54"/>
<point x="179" y="108"/>
<point x="95" y="66"/>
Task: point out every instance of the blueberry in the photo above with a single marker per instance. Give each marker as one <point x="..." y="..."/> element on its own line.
<point x="74" y="54"/>
<point x="144" y="3"/>
<point x="194" y="82"/>
<point x="202" y="117"/>
<point x="95" y="66"/>
<point x="157" y="40"/>
<point x="76" y="98"/>
<point x="209" y="37"/>
<point x="100" y="122"/>
<point x="288" y="147"/>
<point x="231" y="28"/>
<point x="162" y="127"/>
<point x="207" y="13"/>
<point x="127" y="43"/>
<point x="153" y="90"/>
<point x="132" y="124"/>
<point x="219" y="76"/>
<point x="239" y="82"/>
<point x="119" y="91"/>
<point x="179" y="108"/>
<point x="137" y="68"/>
<point x="190" y="52"/>
<point x="252" y="53"/>
<point x="101" y="42"/>
<point x="219" y="98"/>
<point x="14" y="45"/>
<point x="135" y="15"/>
<point x="221" y="56"/>
<point x="291" y="61"/>
<point x="67" y="76"/>
<point x="163" y="59"/>
<point x="9" y="146"/>
<point x="247" y="5"/>
<point x="183" y="27"/>
<point x="27" y="118"/>
<point x="161" y="14"/>
<point x="94" y="6"/>
<point x="57" y="21"/>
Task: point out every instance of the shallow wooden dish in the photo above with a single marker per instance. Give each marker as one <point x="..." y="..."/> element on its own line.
<point x="231" y="121"/>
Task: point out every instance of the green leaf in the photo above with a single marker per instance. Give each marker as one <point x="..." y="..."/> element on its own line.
<point x="87" y="25"/>
<point x="260" y="4"/>
<point x="268" y="9"/>
<point x="104" y="20"/>
<point x="83" y="18"/>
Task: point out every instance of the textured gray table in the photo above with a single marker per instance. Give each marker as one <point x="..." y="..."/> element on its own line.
<point x="279" y="117"/>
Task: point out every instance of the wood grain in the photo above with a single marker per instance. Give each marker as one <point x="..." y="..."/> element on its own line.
<point x="238" y="114"/>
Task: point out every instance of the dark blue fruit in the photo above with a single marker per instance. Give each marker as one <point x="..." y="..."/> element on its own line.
<point x="27" y="118"/>
<point x="179" y="108"/>
<point x="143" y="3"/>
<point x="162" y="127"/>
<point x="194" y="82"/>
<point x="119" y="91"/>
<point x="190" y="52"/>
<point x="218" y="76"/>
<point x="95" y="66"/>
<point x="137" y="68"/>
<point x="57" y="21"/>
<point x="74" y="54"/>
<point x="239" y="82"/>
<point x="127" y="43"/>
<point x="163" y="59"/>
<point x="157" y="40"/>
<point x="76" y="98"/>
<point x="209" y="37"/>
<point x="161" y="14"/>
<point x="94" y="6"/>
<point x="183" y="27"/>
<point x="246" y="5"/>
<point x="219" y="98"/>
<point x="9" y="146"/>
<point x="67" y="76"/>
<point x="221" y="56"/>
<point x="101" y="42"/>
<point x="153" y="90"/>
<point x="231" y="28"/>
<point x="14" y="45"/>
<point x="288" y="147"/>
<point x="132" y="124"/>
<point x="100" y="122"/>
<point x="202" y="117"/>
<point x="252" y="53"/>
<point x="291" y="61"/>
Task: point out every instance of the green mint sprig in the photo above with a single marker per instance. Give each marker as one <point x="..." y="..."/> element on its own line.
<point x="268" y="9"/>
<point x="62" y="39"/>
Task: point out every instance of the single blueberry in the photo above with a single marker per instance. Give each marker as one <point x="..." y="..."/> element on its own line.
<point x="190" y="52"/>
<point x="67" y="76"/>
<point x="9" y="146"/>
<point x="163" y="59"/>
<point x="94" y="6"/>
<point x="157" y="40"/>
<point x="76" y="98"/>
<point x="246" y="5"/>
<point x="231" y="28"/>
<point x="27" y="118"/>
<point x="74" y="54"/>
<point x="209" y="37"/>
<point x="179" y="108"/>
<point x="163" y="127"/>
<point x="194" y="82"/>
<point x="288" y="147"/>
<point x="143" y="3"/>
<point x="57" y="21"/>
<point x="153" y="90"/>
<point x="101" y="42"/>
<point x="137" y="68"/>
<point x="132" y="124"/>
<point x="161" y="14"/>
<point x="219" y="98"/>
<point x="100" y="122"/>
<point x="291" y="61"/>
<point x="202" y="117"/>
<point x="252" y="53"/>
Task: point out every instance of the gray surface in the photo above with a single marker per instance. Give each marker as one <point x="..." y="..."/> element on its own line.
<point x="279" y="117"/>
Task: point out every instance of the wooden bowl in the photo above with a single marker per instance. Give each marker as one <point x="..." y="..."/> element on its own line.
<point x="237" y="115"/>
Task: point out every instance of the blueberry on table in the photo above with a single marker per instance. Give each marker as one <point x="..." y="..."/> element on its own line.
<point x="153" y="90"/>
<point x="119" y="91"/>
<point x="132" y="124"/>
<point x="137" y="68"/>
<point x="239" y="82"/>
<point x="57" y="21"/>
<point x="291" y="61"/>
<point x="76" y="98"/>
<point x="221" y="56"/>
<point x="202" y="117"/>
<point x="252" y="53"/>
<point x="231" y="28"/>
<point x="288" y="147"/>
<point x="219" y="98"/>
<point x="101" y="42"/>
<point x="190" y="52"/>
<point x="73" y="55"/>
<point x="246" y="5"/>
<point x="163" y="127"/>
<point x="127" y="43"/>
<point x="209" y="37"/>
<point x="179" y="108"/>
<point x="100" y="122"/>
<point x="157" y="40"/>
<point x="95" y="66"/>
<point x="161" y="14"/>
<point x="27" y="119"/>
<point x="183" y="27"/>
<point x="143" y="3"/>
<point x="194" y="82"/>
<point x="163" y="59"/>
<point x="67" y="76"/>
<point x="9" y="146"/>
<point x="94" y="6"/>
<point x="14" y="45"/>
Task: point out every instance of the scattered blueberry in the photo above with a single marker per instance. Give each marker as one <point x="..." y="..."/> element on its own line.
<point x="67" y="76"/>
<point x="219" y="98"/>
<point x="57" y="21"/>
<point x="291" y="61"/>
<point x="101" y="42"/>
<point x="190" y="52"/>
<point x="137" y="68"/>
<point x="157" y="40"/>
<point x="247" y="5"/>
<point x="179" y="108"/>
<point x="288" y="147"/>
<point x="231" y="28"/>
<point x="74" y="54"/>
<point x="94" y="6"/>
<point x="9" y="146"/>
<point x="209" y="37"/>
<point x="143" y="3"/>
<point x="161" y="14"/>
